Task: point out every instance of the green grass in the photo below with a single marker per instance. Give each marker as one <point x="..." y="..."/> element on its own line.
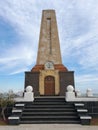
<point x="2" y="122"/>
<point x="94" y="121"/>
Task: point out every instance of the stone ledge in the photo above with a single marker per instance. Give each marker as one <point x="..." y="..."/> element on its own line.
<point x="19" y="105"/>
<point x="81" y="99"/>
<point x="85" y="120"/>
<point x="14" y="118"/>
<point x="18" y="110"/>
<point x="85" y="117"/>
<point x="82" y="110"/>
<point x="79" y="104"/>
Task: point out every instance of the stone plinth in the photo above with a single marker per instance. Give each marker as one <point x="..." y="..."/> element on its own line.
<point x="70" y="94"/>
<point x="29" y="95"/>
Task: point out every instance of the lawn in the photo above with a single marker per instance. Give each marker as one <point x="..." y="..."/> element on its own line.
<point x="94" y="121"/>
<point x="2" y="122"/>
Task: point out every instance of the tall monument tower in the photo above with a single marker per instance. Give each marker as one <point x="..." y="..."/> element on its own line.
<point x="49" y="47"/>
<point x="49" y="77"/>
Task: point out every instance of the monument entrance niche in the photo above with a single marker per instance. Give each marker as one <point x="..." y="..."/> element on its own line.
<point x="49" y="84"/>
<point x="49" y="76"/>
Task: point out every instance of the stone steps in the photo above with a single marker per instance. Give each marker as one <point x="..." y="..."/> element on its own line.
<point x="48" y="113"/>
<point x="51" y="122"/>
<point x="44" y="110"/>
<point x="48" y="117"/>
<point x="47" y="106"/>
<point x="49" y="110"/>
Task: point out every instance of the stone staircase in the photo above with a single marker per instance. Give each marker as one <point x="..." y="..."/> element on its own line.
<point x="49" y="110"/>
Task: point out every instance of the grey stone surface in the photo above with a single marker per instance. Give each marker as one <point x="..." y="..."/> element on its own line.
<point x="20" y="104"/>
<point x="16" y="110"/>
<point x="49" y="127"/>
<point x="82" y="110"/>
<point x="85" y="117"/>
<point x="82" y="99"/>
<point x="79" y="104"/>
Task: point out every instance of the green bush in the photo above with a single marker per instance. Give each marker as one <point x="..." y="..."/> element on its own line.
<point x="6" y="99"/>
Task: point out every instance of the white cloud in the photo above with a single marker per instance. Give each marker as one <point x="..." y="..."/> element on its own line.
<point x="77" y="23"/>
<point x="90" y="57"/>
<point x="17" y="59"/>
<point x="20" y="70"/>
<point x="81" y="37"/>
<point x="19" y="14"/>
<point x="86" y="78"/>
<point x="83" y="82"/>
<point x="78" y="30"/>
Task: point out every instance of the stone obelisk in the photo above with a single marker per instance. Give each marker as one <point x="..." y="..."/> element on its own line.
<point x="49" y="46"/>
<point x="49" y="77"/>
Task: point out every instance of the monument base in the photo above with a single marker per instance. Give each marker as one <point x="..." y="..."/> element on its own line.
<point x="65" y="79"/>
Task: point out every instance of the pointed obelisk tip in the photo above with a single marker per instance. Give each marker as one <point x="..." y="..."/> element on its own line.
<point x="48" y="10"/>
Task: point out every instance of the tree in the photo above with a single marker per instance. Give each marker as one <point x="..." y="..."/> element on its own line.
<point x="5" y="100"/>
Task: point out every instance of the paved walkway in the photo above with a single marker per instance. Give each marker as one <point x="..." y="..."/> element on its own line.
<point x="49" y="127"/>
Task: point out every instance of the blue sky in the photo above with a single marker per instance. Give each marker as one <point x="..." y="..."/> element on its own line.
<point x="19" y="34"/>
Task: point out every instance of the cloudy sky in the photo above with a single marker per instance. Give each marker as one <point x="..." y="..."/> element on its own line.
<point x="19" y="35"/>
